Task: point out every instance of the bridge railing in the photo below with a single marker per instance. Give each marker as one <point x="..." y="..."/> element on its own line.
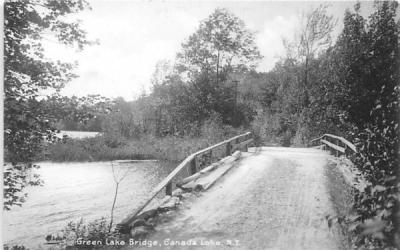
<point x="337" y="145"/>
<point x="193" y="163"/>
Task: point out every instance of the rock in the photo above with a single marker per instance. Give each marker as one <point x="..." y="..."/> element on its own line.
<point x="49" y="237"/>
<point x="177" y="192"/>
<point x="147" y="214"/>
<point x="169" y="204"/>
<point x="139" y="222"/>
<point x="198" y="188"/>
<point x="176" y="200"/>
<point x="186" y="196"/>
<point x="164" y="200"/>
<point x="139" y="232"/>
<point x="152" y="222"/>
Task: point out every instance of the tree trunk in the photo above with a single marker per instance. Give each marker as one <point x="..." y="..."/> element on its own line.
<point x="218" y="68"/>
<point x="112" y="208"/>
<point x="306" y="101"/>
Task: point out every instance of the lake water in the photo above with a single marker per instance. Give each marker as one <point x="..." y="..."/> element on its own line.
<point x="75" y="190"/>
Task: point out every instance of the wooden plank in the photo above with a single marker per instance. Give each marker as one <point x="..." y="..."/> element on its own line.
<point x="338" y="148"/>
<point x="208" y="180"/>
<point x="346" y="142"/>
<point x="220" y="144"/>
<point x="188" y="179"/>
<point x="130" y="218"/>
<point x="316" y="139"/>
<point x="349" y="144"/>
<point x="241" y="144"/>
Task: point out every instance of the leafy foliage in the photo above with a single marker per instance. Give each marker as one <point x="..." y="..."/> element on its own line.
<point x="371" y="61"/>
<point x="97" y="230"/>
<point x="221" y="44"/>
<point x="26" y="73"/>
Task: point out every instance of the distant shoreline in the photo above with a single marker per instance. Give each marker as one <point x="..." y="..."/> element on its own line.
<point x="128" y="161"/>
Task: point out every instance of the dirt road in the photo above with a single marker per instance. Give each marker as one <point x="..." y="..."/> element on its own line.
<point x="274" y="199"/>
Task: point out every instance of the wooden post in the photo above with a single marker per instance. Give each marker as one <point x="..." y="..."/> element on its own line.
<point x="228" y="149"/>
<point x="337" y="151"/>
<point x="193" y="166"/>
<point x="198" y="162"/>
<point x="168" y="189"/>
<point x="210" y="157"/>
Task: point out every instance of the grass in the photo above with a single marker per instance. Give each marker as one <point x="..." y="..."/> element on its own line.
<point x="168" y="148"/>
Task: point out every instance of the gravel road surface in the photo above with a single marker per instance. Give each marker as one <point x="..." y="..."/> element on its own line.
<point x="273" y="199"/>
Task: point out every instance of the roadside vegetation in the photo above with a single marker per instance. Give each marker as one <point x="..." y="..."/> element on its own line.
<point x="106" y="147"/>
<point x="342" y="196"/>
<point x="211" y="91"/>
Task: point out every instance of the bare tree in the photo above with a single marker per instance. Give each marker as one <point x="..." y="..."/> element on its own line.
<point x="315" y="33"/>
<point x="117" y="182"/>
<point x="313" y="37"/>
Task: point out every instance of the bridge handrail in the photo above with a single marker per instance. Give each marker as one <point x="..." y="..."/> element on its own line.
<point x="336" y="145"/>
<point x="231" y="145"/>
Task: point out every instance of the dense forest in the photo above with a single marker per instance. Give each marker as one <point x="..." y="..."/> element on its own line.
<point x="211" y="91"/>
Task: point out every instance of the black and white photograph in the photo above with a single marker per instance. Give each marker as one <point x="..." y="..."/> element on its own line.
<point x="200" y="124"/>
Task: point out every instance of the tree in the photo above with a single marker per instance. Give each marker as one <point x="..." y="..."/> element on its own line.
<point x="314" y="36"/>
<point x="163" y="70"/>
<point x="351" y="65"/>
<point x="85" y="113"/>
<point x="368" y="71"/>
<point x="26" y="73"/>
<point x="117" y="181"/>
<point x="221" y="45"/>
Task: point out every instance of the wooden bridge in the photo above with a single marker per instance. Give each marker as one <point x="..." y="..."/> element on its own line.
<point x="271" y="198"/>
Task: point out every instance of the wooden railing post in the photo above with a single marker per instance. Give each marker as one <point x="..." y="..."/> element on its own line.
<point x="193" y="166"/>
<point x="320" y="141"/>
<point x="228" y="149"/>
<point x="198" y="162"/>
<point x="337" y="143"/>
<point x="168" y="189"/>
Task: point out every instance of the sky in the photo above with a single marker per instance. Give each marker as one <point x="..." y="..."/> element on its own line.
<point x="134" y="35"/>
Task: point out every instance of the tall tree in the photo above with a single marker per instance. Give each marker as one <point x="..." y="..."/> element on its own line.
<point x="314" y="36"/>
<point x="26" y="72"/>
<point x="368" y="62"/>
<point x="351" y="62"/>
<point x="221" y="45"/>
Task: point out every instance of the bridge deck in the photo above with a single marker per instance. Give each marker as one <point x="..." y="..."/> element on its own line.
<point x="274" y="199"/>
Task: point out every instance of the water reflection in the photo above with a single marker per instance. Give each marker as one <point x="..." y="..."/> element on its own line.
<point x="75" y="190"/>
